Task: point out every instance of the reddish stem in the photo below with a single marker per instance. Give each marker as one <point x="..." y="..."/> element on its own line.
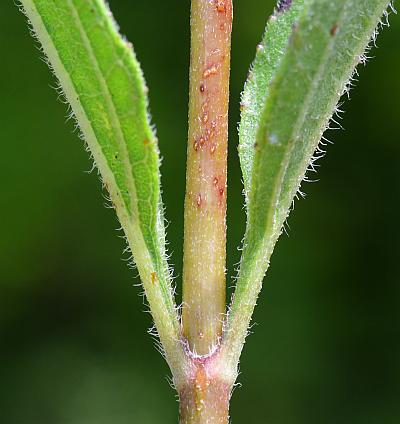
<point x="205" y="203"/>
<point x="205" y="397"/>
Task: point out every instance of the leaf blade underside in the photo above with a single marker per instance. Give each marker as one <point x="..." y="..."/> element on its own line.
<point x="324" y="48"/>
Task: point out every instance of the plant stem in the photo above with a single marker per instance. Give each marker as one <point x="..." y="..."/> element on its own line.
<point x="204" y="399"/>
<point x="205" y="203"/>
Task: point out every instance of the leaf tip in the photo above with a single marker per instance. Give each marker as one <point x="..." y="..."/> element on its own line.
<point x="283" y="5"/>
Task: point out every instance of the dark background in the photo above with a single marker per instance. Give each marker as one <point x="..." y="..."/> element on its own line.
<point x="73" y="342"/>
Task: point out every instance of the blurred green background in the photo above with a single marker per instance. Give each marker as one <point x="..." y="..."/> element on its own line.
<point x="73" y="341"/>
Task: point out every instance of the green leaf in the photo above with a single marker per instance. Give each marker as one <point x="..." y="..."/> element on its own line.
<point x="324" y="48"/>
<point x="102" y="80"/>
<point x="268" y="56"/>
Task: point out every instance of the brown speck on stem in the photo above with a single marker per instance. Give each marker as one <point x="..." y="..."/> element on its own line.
<point x="146" y="142"/>
<point x="199" y="143"/>
<point x="200" y="387"/>
<point x="154" y="277"/>
<point x="221" y="7"/>
<point x="333" y="30"/>
<point x="212" y="70"/>
<point x="202" y="88"/>
<point x="199" y="200"/>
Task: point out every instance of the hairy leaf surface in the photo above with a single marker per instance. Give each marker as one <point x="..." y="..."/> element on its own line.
<point x="268" y="56"/>
<point x="102" y="80"/>
<point x="324" y="48"/>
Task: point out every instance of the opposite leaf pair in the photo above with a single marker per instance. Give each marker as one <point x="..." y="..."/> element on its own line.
<point x="302" y="67"/>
